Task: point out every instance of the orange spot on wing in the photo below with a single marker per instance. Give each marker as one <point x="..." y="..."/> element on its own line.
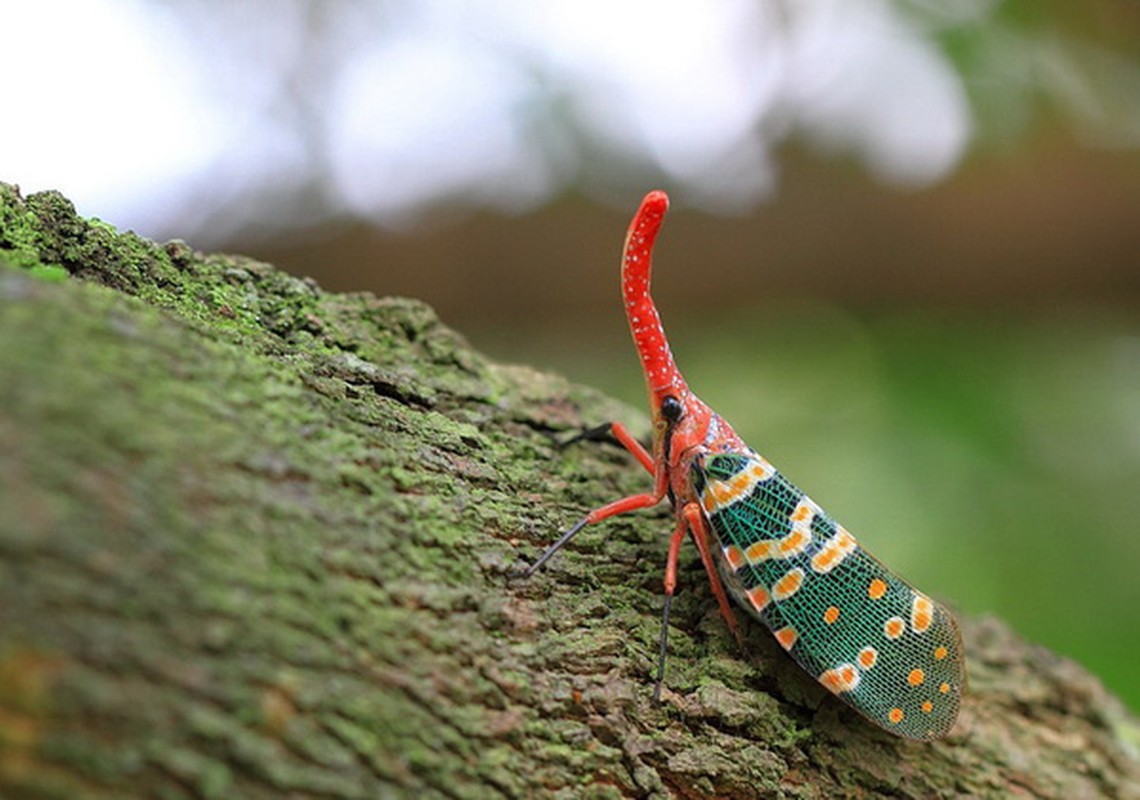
<point x="843" y="678"/>
<point x="940" y="653"/>
<point x="921" y="613"/>
<point x="825" y="559"/>
<point x="734" y="557"/>
<point x="896" y="715"/>
<point x="944" y="688"/>
<point x="916" y="677"/>
<point x="762" y="470"/>
<point x="788" y="585"/>
<point x="830" y="680"/>
<point x="894" y="627"/>
<point x="804" y="511"/>
<point x="877" y="589"/>
<point x="927" y="706"/>
<point x="834" y="551"/>
<point x="831" y="615"/>
<point x="719" y="494"/>
<point x="787" y="636"/>
<point x="759" y="551"/>
<point x="758" y="597"/>
<point x="794" y="542"/>
<point x="867" y="657"/>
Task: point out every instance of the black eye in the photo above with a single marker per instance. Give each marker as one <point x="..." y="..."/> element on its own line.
<point x="671" y="408"/>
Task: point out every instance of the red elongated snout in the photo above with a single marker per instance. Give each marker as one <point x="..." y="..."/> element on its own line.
<point x="661" y="374"/>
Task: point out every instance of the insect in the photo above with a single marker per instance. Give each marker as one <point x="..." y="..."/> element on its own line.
<point x="887" y="650"/>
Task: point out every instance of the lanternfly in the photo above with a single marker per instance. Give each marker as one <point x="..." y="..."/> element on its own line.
<point x="889" y="651"/>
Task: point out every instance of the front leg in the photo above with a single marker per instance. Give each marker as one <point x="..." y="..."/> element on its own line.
<point x="624" y="438"/>
<point x="625" y="504"/>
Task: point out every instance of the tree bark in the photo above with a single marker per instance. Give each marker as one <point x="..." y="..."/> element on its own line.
<point x="257" y="540"/>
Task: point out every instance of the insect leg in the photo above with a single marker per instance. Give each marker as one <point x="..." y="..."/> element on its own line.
<point x="670" y="587"/>
<point x="693" y="517"/>
<point x="625" y="439"/>
<point x="625" y="504"/>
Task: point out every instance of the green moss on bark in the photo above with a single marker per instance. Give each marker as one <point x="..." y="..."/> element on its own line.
<point x="256" y="540"/>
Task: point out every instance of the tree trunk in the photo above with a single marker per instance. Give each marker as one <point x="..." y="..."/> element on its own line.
<point x="257" y="540"/>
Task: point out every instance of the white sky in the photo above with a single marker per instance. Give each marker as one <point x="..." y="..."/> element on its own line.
<point x="136" y="114"/>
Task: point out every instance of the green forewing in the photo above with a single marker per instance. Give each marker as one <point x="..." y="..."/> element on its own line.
<point x="886" y="649"/>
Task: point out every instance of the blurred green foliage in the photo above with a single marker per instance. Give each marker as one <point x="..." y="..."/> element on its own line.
<point x="992" y="459"/>
<point x="1031" y="64"/>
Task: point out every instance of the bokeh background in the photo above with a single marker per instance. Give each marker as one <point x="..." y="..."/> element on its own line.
<point x="902" y="257"/>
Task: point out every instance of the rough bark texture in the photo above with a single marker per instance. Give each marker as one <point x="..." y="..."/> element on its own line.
<point x="256" y="540"/>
